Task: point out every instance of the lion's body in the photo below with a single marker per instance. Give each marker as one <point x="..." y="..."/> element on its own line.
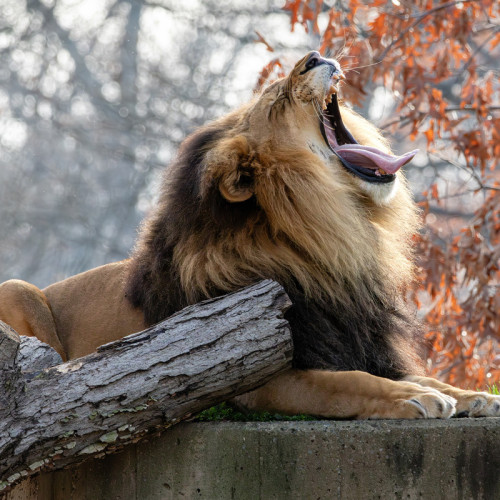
<point x="84" y="311"/>
<point x="259" y="194"/>
<point x="91" y="307"/>
<point x="345" y="289"/>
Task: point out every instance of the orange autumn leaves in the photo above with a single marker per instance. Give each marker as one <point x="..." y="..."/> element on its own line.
<point x="440" y="61"/>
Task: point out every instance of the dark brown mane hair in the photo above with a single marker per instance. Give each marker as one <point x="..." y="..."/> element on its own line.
<point x="344" y="260"/>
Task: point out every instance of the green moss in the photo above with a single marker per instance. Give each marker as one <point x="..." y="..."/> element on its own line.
<point x="225" y="412"/>
<point x="68" y="418"/>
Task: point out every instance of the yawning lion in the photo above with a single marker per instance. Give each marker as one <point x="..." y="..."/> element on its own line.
<point x="295" y="187"/>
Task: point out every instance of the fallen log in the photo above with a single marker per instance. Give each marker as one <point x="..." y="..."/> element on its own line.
<point x="54" y="417"/>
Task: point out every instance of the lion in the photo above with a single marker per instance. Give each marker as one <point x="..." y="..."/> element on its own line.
<point x="293" y="186"/>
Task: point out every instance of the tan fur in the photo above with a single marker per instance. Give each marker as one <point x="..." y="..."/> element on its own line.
<point x="318" y="223"/>
<point x="348" y="395"/>
<point x="76" y="315"/>
<point x="26" y="309"/>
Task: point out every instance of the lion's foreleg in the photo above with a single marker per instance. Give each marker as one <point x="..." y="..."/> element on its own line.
<point x="469" y="403"/>
<point x="26" y="309"/>
<point x="351" y="394"/>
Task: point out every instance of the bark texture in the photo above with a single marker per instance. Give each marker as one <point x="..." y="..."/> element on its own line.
<point x="59" y="416"/>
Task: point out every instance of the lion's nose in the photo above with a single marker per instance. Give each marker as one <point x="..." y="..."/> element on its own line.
<point x="315" y="59"/>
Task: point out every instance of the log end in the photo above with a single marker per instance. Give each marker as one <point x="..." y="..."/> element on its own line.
<point x="9" y="346"/>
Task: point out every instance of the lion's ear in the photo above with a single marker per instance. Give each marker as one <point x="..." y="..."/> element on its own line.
<point x="233" y="169"/>
<point x="236" y="187"/>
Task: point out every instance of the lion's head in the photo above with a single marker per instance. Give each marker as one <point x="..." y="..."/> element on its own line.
<point x="301" y="113"/>
<point x="291" y="186"/>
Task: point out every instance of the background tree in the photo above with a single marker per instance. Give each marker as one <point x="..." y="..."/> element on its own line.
<point x="95" y="97"/>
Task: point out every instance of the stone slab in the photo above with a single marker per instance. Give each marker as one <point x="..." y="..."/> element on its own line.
<point x="454" y="459"/>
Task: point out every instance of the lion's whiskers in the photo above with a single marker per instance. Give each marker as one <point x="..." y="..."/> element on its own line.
<point x="317" y="109"/>
<point x="363" y="66"/>
<point x="344" y="50"/>
<point x="319" y="113"/>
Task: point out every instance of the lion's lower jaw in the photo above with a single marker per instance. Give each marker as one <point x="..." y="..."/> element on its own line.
<point x="381" y="194"/>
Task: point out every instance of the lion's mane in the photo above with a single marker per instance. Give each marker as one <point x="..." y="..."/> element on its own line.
<point x="344" y="260"/>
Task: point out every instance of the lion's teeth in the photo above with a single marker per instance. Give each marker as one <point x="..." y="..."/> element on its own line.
<point x="328" y="99"/>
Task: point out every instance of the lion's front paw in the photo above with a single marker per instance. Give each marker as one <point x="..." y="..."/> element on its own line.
<point x="430" y="404"/>
<point x="477" y="404"/>
<point x="413" y="401"/>
<point x="433" y="405"/>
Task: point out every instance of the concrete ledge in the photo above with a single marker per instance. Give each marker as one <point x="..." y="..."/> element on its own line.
<point x="292" y="460"/>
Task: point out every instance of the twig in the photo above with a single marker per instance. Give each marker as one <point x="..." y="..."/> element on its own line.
<point x="420" y="17"/>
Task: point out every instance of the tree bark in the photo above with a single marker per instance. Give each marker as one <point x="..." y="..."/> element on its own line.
<point x="54" y="417"/>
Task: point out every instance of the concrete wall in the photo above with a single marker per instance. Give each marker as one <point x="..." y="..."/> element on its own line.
<point x="457" y="459"/>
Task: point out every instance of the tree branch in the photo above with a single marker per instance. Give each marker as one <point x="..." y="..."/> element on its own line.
<point x="420" y="16"/>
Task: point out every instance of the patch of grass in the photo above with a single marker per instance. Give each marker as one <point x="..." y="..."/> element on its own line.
<point x="494" y="389"/>
<point x="225" y="412"/>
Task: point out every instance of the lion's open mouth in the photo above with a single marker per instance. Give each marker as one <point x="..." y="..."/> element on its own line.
<point x="369" y="163"/>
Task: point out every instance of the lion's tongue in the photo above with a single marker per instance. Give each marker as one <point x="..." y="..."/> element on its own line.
<point x="373" y="158"/>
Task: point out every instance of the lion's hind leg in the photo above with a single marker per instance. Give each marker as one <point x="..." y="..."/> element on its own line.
<point x="352" y="394"/>
<point x="469" y="403"/>
<point x="26" y="309"/>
